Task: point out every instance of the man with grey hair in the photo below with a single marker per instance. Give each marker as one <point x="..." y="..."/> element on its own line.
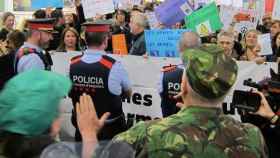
<point x="171" y="76"/>
<point x="226" y="41"/>
<point x="138" y="23"/>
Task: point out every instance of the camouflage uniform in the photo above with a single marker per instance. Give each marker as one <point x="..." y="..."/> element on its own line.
<point x="199" y="132"/>
<point x="195" y="132"/>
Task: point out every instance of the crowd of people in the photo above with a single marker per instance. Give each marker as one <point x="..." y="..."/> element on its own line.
<point x="193" y="124"/>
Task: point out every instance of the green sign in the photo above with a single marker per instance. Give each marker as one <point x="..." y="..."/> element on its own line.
<point x="205" y="20"/>
<point x="2" y="5"/>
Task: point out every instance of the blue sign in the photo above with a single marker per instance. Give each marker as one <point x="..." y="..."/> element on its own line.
<point x="172" y="11"/>
<point x="38" y="4"/>
<point x="163" y="43"/>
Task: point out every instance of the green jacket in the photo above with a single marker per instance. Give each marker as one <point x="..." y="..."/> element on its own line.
<point x="195" y="132"/>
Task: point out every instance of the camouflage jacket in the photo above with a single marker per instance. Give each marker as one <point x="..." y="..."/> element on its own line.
<point x="195" y="132"/>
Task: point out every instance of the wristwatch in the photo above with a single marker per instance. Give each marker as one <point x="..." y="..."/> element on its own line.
<point x="274" y="119"/>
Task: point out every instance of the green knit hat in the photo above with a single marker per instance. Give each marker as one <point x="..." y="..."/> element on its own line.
<point x="210" y="72"/>
<point x="29" y="102"/>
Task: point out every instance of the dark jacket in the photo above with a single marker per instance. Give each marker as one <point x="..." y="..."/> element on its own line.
<point x="7" y="68"/>
<point x="138" y="46"/>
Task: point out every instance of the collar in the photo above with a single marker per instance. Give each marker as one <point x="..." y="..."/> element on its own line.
<point x="94" y="52"/>
<point x="29" y="45"/>
<point x="202" y="111"/>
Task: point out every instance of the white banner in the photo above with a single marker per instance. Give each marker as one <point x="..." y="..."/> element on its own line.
<point x="144" y="75"/>
<point x="97" y="7"/>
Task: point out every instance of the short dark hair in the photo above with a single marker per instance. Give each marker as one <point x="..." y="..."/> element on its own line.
<point x="38" y="14"/>
<point x="95" y="38"/>
<point x="3" y="34"/>
<point x="57" y="13"/>
<point x="17" y="38"/>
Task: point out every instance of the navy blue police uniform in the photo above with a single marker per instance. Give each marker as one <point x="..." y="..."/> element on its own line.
<point x="170" y="86"/>
<point x="104" y="79"/>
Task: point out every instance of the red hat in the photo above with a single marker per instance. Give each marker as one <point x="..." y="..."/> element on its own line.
<point x="98" y="26"/>
<point x="46" y="24"/>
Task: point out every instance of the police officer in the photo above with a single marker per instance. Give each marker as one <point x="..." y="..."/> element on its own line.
<point x="31" y="54"/>
<point x="170" y="86"/>
<point x="102" y="77"/>
<point x="170" y="80"/>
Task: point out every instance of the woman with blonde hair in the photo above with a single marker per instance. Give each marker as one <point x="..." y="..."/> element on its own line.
<point x="251" y="47"/>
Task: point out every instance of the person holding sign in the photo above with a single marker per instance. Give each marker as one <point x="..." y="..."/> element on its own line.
<point x="101" y="77"/>
<point x="138" y="23"/>
<point x="252" y="48"/>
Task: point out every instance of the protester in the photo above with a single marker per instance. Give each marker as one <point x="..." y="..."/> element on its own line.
<point x="70" y="40"/>
<point x="3" y="36"/>
<point x="266" y="24"/>
<point x="276" y="47"/>
<point x="226" y="41"/>
<point x="30" y="55"/>
<point x="71" y="20"/>
<point x="138" y="23"/>
<point x="275" y="28"/>
<point x="8" y="21"/>
<point x="14" y="40"/>
<point x="102" y="77"/>
<point x="59" y="26"/>
<point x="24" y="128"/>
<point x="252" y="48"/>
<point x="39" y="14"/>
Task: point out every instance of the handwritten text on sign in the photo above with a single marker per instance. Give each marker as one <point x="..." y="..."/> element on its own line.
<point x="163" y="43"/>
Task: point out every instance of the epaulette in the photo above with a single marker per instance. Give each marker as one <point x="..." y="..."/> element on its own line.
<point x="76" y="59"/>
<point x="25" y="51"/>
<point x="169" y="68"/>
<point x="107" y="61"/>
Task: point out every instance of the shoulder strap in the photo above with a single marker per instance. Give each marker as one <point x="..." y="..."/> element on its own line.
<point x="107" y="61"/>
<point x="76" y="59"/>
<point x="25" y="51"/>
<point x="169" y="68"/>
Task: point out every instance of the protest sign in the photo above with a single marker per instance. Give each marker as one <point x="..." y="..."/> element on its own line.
<point x="264" y="40"/>
<point x="119" y="44"/>
<point x="163" y="43"/>
<point x="172" y="11"/>
<point x="152" y="19"/>
<point x="97" y="7"/>
<point x="205" y="20"/>
<point x="269" y="5"/>
<point x="276" y="10"/>
<point x="244" y="26"/>
<point x="37" y="4"/>
<point x="2" y="5"/>
<point x="226" y="15"/>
